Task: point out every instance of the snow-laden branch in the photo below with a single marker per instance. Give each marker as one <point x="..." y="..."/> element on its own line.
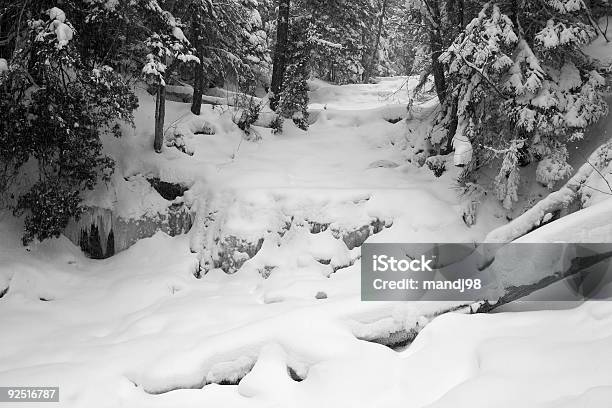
<point x="535" y="216"/>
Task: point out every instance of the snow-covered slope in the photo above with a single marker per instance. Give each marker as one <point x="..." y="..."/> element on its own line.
<point x="356" y="168"/>
<point x="126" y="331"/>
<point x="139" y="330"/>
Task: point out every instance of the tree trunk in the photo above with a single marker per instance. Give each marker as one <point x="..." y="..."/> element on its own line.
<point x="280" y="52"/>
<point x="436" y="44"/>
<point x="456" y="11"/>
<point x="198" y="87"/>
<point x="160" y="113"/>
<point x="453" y="124"/>
<point x="374" y="57"/>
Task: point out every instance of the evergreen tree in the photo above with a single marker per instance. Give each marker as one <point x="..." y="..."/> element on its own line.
<point x="168" y="47"/>
<point x="342" y="37"/>
<point x="53" y="107"/>
<point x="230" y="41"/>
<point x="294" y="97"/>
<point x="524" y="87"/>
<point x="280" y="52"/>
<point x="370" y="65"/>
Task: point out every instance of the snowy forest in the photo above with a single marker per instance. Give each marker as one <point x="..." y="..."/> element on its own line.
<point x="187" y="187"/>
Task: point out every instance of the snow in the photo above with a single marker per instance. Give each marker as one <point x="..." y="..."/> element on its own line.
<point x="569" y="77"/>
<point x="56" y="14"/>
<point x="548" y="36"/>
<point x="177" y="32"/>
<point x="63" y="31"/>
<point x="462" y="146"/>
<point x="589" y="225"/>
<point x="599" y="48"/>
<point x="578" y="188"/>
<point x="389" y="91"/>
<point x="3" y="65"/>
<point x="139" y="330"/>
<point x="551" y="169"/>
<point x="106" y="346"/>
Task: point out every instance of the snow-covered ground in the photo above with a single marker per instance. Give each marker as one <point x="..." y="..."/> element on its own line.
<point x="139" y="330"/>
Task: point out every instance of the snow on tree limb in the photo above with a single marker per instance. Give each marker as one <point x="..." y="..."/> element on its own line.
<point x="558" y="200"/>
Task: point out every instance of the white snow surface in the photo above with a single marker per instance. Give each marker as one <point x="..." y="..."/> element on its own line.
<point x="120" y="331"/>
<point x="138" y="330"/>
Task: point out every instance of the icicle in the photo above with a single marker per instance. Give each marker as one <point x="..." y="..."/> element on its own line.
<point x="103" y="221"/>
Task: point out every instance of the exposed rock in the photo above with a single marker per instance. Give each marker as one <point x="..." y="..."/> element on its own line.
<point x="233" y="252"/>
<point x="336" y="268"/>
<point x="316" y="227"/>
<point x="101" y="234"/>
<point x="321" y="295"/>
<point x="356" y="238"/>
<point x="397" y="339"/>
<point x="266" y="271"/>
<point x="437" y="164"/>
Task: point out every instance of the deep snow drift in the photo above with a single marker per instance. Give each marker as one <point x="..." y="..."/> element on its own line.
<point x="288" y="328"/>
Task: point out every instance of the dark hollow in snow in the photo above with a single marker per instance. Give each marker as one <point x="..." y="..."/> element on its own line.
<point x="4" y="292"/>
<point x="169" y="191"/>
<point x="294" y="375"/>
<point x="393" y="121"/>
<point x="398" y="339"/>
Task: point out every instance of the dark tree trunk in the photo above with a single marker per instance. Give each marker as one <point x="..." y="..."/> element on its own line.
<point x="456" y="11"/>
<point x="374" y="57"/>
<point x="160" y="113"/>
<point x="437" y="68"/>
<point x="198" y="87"/>
<point x="436" y="44"/>
<point x="453" y="123"/>
<point x="280" y="52"/>
<point x="197" y="16"/>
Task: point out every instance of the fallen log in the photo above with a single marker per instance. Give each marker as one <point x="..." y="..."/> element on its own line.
<point x="555" y="202"/>
<point x="579" y="266"/>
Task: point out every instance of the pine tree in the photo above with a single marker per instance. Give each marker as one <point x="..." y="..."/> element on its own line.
<point x="53" y="108"/>
<point x="168" y="47"/>
<point x="342" y="37"/>
<point x="280" y="52"/>
<point x="369" y="68"/>
<point x="523" y="82"/>
<point x="294" y="97"/>
<point x="229" y="40"/>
